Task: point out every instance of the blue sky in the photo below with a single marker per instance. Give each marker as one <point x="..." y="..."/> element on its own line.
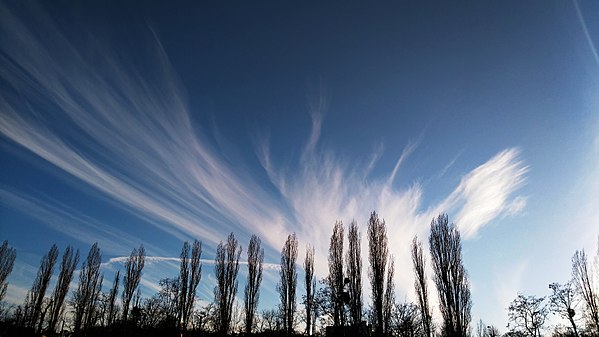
<point x="154" y="124"/>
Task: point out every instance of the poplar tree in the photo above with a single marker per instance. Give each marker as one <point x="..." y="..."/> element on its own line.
<point x="252" y="288"/>
<point x="190" y="274"/>
<point x="37" y="293"/>
<point x="421" y="286"/>
<point x="70" y="259"/>
<point x="288" y="282"/>
<point x="336" y="277"/>
<point x="86" y="295"/>
<point x="378" y="256"/>
<point x="450" y="277"/>
<point x="310" y="284"/>
<point x="226" y="269"/>
<point x="354" y="273"/>
<point x="133" y="271"/>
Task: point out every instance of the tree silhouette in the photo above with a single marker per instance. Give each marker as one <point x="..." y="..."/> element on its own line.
<point x="336" y="280"/>
<point x="133" y="271"/>
<point x="161" y="311"/>
<point x="310" y="284"/>
<point x="67" y="267"/>
<point x="389" y="299"/>
<point x="252" y="287"/>
<point x="450" y="277"/>
<point x="582" y="280"/>
<point x="226" y="269"/>
<point x="421" y="287"/>
<point x="378" y="254"/>
<point x="7" y="261"/>
<point x="112" y="305"/>
<point x="288" y="282"/>
<point x="87" y="293"/>
<point x="190" y="273"/>
<point x="527" y="314"/>
<point x="405" y="320"/>
<point x="40" y="285"/>
<point x="563" y="301"/>
<point x="354" y="273"/>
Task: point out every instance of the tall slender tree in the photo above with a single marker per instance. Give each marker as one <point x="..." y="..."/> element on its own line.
<point x="252" y="286"/>
<point x="378" y="254"/>
<point x="40" y="285"/>
<point x="190" y="274"/>
<point x="288" y="282"/>
<point x="92" y="311"/>
<point x="450" y="277"/>
<point x="354" y="273"/>
<point x="226" y="269"/>
<point x="583" y="280"/>
<point x="389" y="299"/>
<point x="112" y="295"/>
<point x="7" y="261"/>
<point x="421" y="286"/>
<point x="336" y="276"/>
<point x="85" y="297"/>
<point x="310" y="284"/>
<point x="133" y="272"/>
<point x="70" y="259"/>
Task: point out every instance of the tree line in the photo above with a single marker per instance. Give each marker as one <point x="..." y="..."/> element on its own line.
<point x="333" y="305"/>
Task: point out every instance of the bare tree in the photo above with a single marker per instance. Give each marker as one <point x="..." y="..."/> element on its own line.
<point x="190" y="274"/>
<point x="405" y="320"/>
<point x="37" y="293"/>
<point x="336" y="276"/>
<point x="389" y="299"/>
<point x="133" y="271"/>
<point x="92" y="314"/>
<point x="7" y="261"/>
<point x="226" y="269"/>
<point x="450" y="277"/>
<point x="354" y="273"/>
<point x="583" y="281"/>
<point x="271" y="320"/>
<point x="252" y="287"/>
<point x="85" y="297"/>
<point x="288" y="282"/>
<point x="421" y="287"/>
<point x="112" y="305"/>
<point x="527" y="314"/>
<point x="162" y="309"/>
<point x="70" y="259"/>
<point x="323" y="307"/>
<point x="563" y="301"/>
<point x="378" y="255"/>
<point x="310" y="284"/>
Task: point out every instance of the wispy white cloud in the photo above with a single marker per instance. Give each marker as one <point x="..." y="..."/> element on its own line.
<point x="486" y="192"/>
<point x="129" y="138"/>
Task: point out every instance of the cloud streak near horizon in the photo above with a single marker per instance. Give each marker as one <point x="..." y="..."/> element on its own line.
<point x="131" y="137"/>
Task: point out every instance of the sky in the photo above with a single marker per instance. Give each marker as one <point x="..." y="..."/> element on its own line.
<point x="125" y="123"/>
